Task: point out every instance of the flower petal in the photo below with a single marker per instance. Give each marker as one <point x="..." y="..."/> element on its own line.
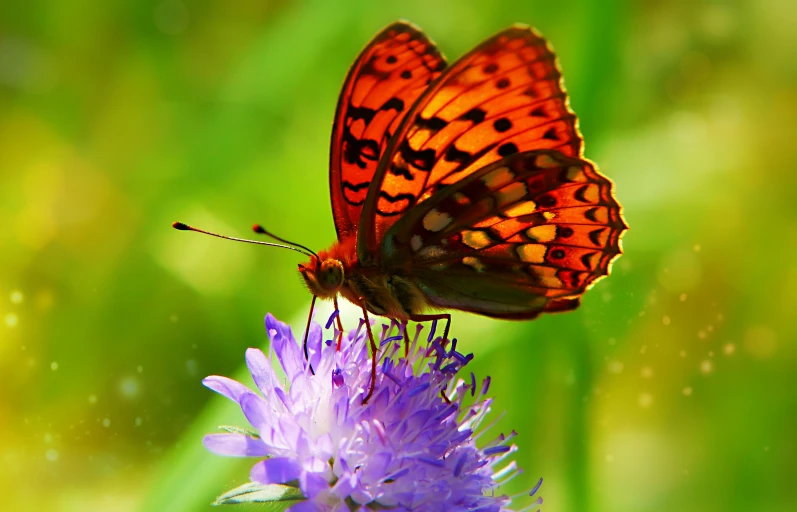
<point x="304" y="506"/>
<point x="276" y="470"/>
<point x="314" y="344"/>
<point x="256" y="410"/>
<point x="235" y="445"/>
<point x="284" y="345"/>
<point x="312" y="484"/>
<point x="230" y="388"/>
<point x="262" y="372"/>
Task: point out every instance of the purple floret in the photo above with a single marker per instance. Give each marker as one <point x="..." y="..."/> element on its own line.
<point x="408" y="448"/>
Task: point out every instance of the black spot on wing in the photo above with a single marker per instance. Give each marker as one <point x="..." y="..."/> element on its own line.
<point x="476" y="115"/>
<point x="393" y="104"/>
<point x="453" y="154"/>
<point x="395" y="200"/>
<point x="364" y="113"/>
<point x="580" y="194"/>
<point x="422" y="159"/>
<point x="594" y="236"/>
<point x="564" y="231"/>
<point x="356" y="151"/>
<point x="347" y="185"/>
<point x="592" y="214"/>
<point x="550" y="134"/>
<point x="405" y="173"/>
<point x="538" y="112"/>
<point x="434" y="124"/>
<point x="507" y="149"/>
<point x="503" y="124"/>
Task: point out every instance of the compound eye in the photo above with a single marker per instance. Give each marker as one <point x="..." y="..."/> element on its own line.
<point x="331" y="274"/>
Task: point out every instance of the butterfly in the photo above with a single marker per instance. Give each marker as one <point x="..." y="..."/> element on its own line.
<point x="461" y="186"/>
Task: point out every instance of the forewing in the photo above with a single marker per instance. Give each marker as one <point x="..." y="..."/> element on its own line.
<point x="526" y="234"/>
<point x="385" y="80"/>
<point x="504" y="97"/>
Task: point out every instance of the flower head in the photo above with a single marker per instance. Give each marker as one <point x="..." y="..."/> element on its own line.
<point x="411" y="447"/>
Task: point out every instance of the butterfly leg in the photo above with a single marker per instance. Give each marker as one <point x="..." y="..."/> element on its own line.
<point x="441" y="316"/>
<point x="307" y="333"/>
<point x="403" y="327"/>
<point x="340" y="324"/>
<point x="373" y="357"/>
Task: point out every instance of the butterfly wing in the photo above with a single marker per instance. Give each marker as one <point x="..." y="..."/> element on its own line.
<point x="527" y="234"/>
<point x="504" y="97"/>
<point x="385" y="80"/>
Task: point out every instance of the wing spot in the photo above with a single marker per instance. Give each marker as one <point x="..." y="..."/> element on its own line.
<point x="511" y="193"/>
<point x="406" y="74"/>
<point x="498" y="178"/>
<point x="453" y="154"/>
<point x="543" y="233"/>
<point x="436" y="221"/>
<point x="394" y="104"/>
<point x="545" y="162"/>
<point x="557" y="254"/>
<point x="547" y="201"/>
<point x="502" y="125"/>
<point x="423" y="159"/>
<point x="538" y="112"/>
<point x="490" y="68"/>
<point x="503" y="83"/>
<point x="566" y="232"/>
<point x="594" y="236"/>
<point x="586" y="260"/>
<point x="531" y="253"/>
<point x="507" y="149"/>
<point x="416" y="242"/>
<point x="402" y="171"/>
<point x="524" y="208"/>
<point x="476" y="239"/>
<point x="550" y="134"/>
<point x="474" y="263"/>
<point x="549" y="215"/>
<point x="391" y="59"/>
<point x="434" y="124"/>
<point x="576" y="174"/>
<point x="476" y="115"/>
<point x="587" y="194"/>
<point x="592" y="214"/>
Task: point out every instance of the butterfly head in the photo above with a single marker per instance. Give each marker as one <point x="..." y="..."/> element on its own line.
<point x="324" y="277"/>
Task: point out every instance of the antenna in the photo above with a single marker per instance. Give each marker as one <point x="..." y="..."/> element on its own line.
<point x="257" y="228"/>
<point x="185" y="227"/>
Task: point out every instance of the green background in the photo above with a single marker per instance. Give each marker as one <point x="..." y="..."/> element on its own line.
<point x="671" y="388"/>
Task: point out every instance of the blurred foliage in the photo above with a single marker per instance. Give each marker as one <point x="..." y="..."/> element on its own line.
<point x="672" y="388"/>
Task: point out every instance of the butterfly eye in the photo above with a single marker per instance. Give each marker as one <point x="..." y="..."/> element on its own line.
<point x="331" y="274"/>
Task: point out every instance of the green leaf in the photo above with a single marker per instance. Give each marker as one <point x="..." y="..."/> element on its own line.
<point x="253" y="492"/>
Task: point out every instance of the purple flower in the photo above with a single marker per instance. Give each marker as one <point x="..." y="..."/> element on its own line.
<point x="409" y="448"/>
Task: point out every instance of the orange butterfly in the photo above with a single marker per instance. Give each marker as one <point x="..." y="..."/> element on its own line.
<point x="461" y="187"/>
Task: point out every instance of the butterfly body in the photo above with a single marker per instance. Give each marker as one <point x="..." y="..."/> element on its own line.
<point x="384" y="291"/>
<point x="463" y="186"/>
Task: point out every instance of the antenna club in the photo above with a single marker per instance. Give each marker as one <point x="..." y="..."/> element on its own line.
<point x="181" y="226"/>
<point x="257" y="228"/>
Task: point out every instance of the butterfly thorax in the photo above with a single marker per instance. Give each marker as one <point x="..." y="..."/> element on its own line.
<point x="338" y="271"/>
